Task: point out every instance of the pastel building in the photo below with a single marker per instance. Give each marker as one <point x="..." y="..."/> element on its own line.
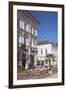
<point x="44" y="48"/>
<point x="26" y="38"/>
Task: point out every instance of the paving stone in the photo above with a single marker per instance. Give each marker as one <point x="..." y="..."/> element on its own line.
<point x="34" y="74"/>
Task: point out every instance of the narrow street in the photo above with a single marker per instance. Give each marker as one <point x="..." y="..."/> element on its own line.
<point x="55" y="75"/>
<point x="36" y="75"/>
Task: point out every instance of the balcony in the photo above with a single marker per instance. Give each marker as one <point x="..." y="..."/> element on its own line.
<point x="34" y="50"/>
<point x="21" y="45"/>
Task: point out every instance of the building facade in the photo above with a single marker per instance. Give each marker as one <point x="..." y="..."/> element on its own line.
<point x="26" y="38"/>
<point x="46" y="48"/>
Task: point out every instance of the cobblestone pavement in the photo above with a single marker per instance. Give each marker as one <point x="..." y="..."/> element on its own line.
<point x="36" y="74"/>
<point x="55" y="75"/>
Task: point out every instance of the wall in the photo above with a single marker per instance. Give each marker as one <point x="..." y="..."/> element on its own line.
<point x="55" y="50"/>
<point x="43" y="48"/>
<point x="4" y="45"/>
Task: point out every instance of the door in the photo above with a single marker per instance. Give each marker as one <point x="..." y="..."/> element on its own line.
<point x="24" y="60"/>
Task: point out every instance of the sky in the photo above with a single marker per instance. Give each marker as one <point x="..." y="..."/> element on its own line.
<point x="47" y="29"/>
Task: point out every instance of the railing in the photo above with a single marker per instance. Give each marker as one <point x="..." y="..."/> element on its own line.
<point x="21" y="45"/>
<point x="33" y="49"/>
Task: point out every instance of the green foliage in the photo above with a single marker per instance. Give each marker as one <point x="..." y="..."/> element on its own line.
<point x="31" y="64"/>
<point x="49" y="57"/>
<point x="20" y="68"/>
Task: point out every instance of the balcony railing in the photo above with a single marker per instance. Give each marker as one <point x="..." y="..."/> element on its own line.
<point x="34" y="49"/>
<point x="21" y="45"/>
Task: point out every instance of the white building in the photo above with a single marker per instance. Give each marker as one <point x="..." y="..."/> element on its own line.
<point x="44" y="48"/>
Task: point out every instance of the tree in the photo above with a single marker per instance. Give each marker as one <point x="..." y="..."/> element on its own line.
<point x="50" y="57"/>
<point x="31" y="64"/>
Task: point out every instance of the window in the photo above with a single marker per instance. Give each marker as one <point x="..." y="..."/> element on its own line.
<point x="32" y="30"/>
<point x="21" y="24"/>
<point x="45" y="51"/>
<point x="28" y="28"/>
<point x="35" y="32"/>
<point x="32" y="42"/>
<point x="27" y="42"/>
<point x="41" y="51"/>
<point x="21" y="40"/>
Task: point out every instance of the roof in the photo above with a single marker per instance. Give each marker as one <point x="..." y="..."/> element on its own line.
<point x="33" y="17"/>
<point x="41" y="42"/>
<point x="45" y="41"/>
<point x="29" y="14"/>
